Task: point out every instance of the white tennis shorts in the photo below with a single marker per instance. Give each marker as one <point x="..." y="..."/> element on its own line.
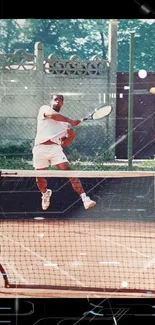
<point x="48" y="155"/>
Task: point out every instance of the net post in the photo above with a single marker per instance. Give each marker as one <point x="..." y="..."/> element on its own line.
<point x="4" y="275"/>
<point x="130" y="101"/>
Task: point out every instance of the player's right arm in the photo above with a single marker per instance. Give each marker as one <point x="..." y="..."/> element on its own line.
<point x="61" y="118"/>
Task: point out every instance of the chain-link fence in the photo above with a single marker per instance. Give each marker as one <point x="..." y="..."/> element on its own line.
<point x="27" y="83"/>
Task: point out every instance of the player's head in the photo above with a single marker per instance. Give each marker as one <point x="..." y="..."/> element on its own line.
<point x="57" y="102"/>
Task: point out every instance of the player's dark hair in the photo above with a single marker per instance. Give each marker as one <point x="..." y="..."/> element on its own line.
<point x="59" y="96"/>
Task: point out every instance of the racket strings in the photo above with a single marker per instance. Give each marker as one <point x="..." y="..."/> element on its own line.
<point x="102" y="112"/>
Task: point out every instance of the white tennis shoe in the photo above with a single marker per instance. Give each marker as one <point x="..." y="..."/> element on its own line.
<point x="88" y="203"/>
<point x="46" y="199"/>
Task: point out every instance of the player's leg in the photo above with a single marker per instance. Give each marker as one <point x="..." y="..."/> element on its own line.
<point x="46" y="193"/>
<point x="77" y="186"/>
<point x="41" y="162"/>
<point x="75" y="182"/>
<point x="41" y="182"/>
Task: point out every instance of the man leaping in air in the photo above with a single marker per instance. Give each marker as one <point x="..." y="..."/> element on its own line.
<point x="54" y="133"/>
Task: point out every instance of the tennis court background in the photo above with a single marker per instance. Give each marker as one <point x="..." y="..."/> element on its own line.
<point x="27" y="82"/>
<point x="124" y="215"/>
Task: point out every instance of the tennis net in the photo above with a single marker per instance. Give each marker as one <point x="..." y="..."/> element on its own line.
<point x="109" y="247"/>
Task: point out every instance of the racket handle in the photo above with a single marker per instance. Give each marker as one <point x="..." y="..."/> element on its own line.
<point x="83" y="119"/>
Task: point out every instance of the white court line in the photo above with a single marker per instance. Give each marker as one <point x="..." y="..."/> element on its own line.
<point x="119" y="234"/>
<point x="110" y="262"/>
<point x="115" y="243"/>
<point x="87" y="263"/>
<point x="149" y="263"/>
<point x="50" y="264"/>
<point x="127" y="248"/>
<point x="44" y="260"/>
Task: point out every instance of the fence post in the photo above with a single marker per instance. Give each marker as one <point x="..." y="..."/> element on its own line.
<point x="130" y="101"/>
<point x="39" y="55"/>
<point x="38" y="76"/>
<point x="112" y="83"/>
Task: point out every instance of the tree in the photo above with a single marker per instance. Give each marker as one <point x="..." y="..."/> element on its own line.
<point x="9" y="34"/>
<point x="144" y="44"/>
<point x="83" y="37"/>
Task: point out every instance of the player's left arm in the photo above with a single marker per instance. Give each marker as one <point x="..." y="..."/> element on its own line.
<point x="65" y="141"/>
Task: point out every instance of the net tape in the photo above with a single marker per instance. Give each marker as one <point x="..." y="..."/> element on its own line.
<point x="74" y="173"/>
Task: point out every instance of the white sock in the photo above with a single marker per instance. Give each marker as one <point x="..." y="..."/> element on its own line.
<point x="83" y="196"/>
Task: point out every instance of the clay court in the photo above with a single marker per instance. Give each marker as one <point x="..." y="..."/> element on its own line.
<point x="71" y="252"/>
<point x="77" y="257"/>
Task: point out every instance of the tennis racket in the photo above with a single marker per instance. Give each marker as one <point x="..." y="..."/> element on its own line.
<point x="99" y="113"/>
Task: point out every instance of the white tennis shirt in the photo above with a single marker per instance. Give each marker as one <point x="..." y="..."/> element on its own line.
<point x="48" y="129"/>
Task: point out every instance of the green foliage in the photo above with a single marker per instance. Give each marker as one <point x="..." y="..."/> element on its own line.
<point x="18" y="163"/>
<point x="83" y="37"/>
<point x="10" y="32"/>
<point x="14" y="163"/>
<point x="22" y="150"/>
<point x="144" y="43"/>
<point x="65" y="37"/>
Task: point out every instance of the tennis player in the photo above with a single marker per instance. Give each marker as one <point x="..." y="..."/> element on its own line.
<point x="54" y="133"/>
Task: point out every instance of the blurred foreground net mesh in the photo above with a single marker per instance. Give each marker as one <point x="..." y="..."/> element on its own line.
<point x="67" y="247"/>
